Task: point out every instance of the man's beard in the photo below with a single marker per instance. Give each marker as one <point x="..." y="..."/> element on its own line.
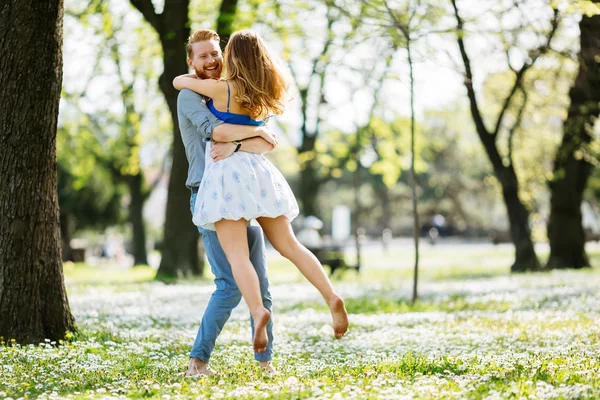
<point x="204" y="75"/>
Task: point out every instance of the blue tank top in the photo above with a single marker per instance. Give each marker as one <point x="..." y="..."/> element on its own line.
<point x="233" y="118"/>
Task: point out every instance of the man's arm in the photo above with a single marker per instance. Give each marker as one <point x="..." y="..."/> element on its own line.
<point x="256" y="145"/>
<point x="193" y="106"/>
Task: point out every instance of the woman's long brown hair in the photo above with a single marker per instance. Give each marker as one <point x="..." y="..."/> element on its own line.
<point x="258" y="76"/>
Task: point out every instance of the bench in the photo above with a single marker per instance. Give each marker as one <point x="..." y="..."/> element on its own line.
<point x="332" y="256"/>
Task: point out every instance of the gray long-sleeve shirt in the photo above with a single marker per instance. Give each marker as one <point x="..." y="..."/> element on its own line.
<point x="196" y="124"/>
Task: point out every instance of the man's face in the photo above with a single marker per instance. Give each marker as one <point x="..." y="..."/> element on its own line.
<point x="207" y="59"/>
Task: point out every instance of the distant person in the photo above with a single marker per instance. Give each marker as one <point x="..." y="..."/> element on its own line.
<point x="309" y="235"/>
<point x="439" y="221"/>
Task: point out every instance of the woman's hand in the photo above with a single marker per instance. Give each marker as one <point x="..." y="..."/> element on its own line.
<point x="221" y="151"/>
<point x="269" y="136"/>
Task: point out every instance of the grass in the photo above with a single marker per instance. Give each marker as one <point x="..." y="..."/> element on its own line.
<point x="80" y="274"/>
<point x="437" y="263"/>
<point x="476" y="333"/>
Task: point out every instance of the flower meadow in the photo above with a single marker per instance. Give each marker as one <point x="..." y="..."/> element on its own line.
<point x="524" y="336"/>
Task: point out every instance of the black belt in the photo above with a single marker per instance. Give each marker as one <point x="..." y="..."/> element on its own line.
<point x="195" y="189"/>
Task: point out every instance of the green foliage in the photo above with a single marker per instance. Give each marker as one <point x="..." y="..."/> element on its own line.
<point x="587" y="7"/>
<point x="86" y="192"/>
<point x="102" y="133"/>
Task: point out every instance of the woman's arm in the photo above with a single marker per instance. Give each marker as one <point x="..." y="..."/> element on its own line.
<point x="229" y="133"/>
<point x="207" y="87"/>
<point x="256" y="145"/>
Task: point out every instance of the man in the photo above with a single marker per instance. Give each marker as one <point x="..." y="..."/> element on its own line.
<point x="198" y="125"/>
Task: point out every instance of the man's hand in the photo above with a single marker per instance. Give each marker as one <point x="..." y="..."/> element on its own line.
<point x="220" y="151"/>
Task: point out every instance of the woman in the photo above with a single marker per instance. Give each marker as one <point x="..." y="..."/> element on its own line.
<point x="247" y="186"/>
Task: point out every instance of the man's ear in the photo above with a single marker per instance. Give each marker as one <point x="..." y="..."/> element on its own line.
<point x="189" y="63"/>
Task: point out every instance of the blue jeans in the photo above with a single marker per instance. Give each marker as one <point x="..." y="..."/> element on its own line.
<point x="227" y="295"/>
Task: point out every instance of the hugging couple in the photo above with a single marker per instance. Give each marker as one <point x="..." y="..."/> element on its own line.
<point x="223" y="124"/>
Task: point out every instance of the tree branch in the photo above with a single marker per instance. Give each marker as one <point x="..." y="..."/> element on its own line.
<point x="147" y="9"/>
<point x="516" y="125"/>
<point x="533" y="56"/>
<point x="477" y="118"/>
<point x="401" y="27"/>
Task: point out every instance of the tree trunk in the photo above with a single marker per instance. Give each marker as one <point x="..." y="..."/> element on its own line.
<point x="309" y="187"/>
<point x="571" y="170"/>
<point x="225" y="20"/>
<point x="386" y="206"/>
<point x="413" y="175"/>
<point x="136" y="217"/>
<point x="33" y="300"/>
<point x="180" y="249"/>
<point x="356" y="221"/>
<point x="518" y="217"/>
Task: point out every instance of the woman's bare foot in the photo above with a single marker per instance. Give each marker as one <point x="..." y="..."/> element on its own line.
<point x="339" y="315"/>
<point x="261" y="319"/>
<point x="197" y="368"/>
<point x="267" y="367"/>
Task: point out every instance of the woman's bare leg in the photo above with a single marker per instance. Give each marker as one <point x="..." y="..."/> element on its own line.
<point x="234" y="241"/>
<point x="280" y="234"/>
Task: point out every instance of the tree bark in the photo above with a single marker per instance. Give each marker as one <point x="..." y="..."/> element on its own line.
<point x="136" y="218"/>
<point x="518" y="218"/>
<point x="33" y="300"/>
<point x="571" y="170"/>
<point x="309" y="187"/>
<point x="179" y="247"/>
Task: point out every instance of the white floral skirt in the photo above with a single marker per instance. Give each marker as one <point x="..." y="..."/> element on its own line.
<point x="244" y="185"/>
